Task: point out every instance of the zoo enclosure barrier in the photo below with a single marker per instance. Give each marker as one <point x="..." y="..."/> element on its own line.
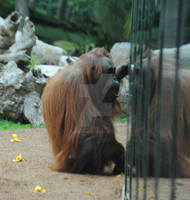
<point x="161" y="25"/>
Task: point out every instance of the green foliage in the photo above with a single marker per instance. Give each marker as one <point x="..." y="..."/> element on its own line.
<point x="33" y="62"/>
<point x="111" y="15"/>
<point x="83" y="15"/>
<point x="101" y="22"/>
<point x="120" y="119"/>
<point x="73" y="42"/>
<point x="127" y="26"/>
<point x="46" y="7"/>
<point x="70" y="47"/>
<point x="77" y="1"/>
<point x="6" y="7"/>
<point x="48" y="33"/>
<point x="8" y="125"/>
<point x="99" y="30"/>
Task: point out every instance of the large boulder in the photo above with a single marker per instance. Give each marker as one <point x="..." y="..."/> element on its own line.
<point x="26" y="64"/>
<point x="11" y="97"/>
<point x="170" y="53"/>
<point x="33" y="108"/>
<point x="8" y="28"/>
<point x="124" y="95"/>
<point x="20" y="92"/>
<point x="67" y="60"/>
<point x="120" y="52"/>
<point x="47" y="54"/>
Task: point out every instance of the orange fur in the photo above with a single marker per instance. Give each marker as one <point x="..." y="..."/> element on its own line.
<point x="71" y="114"/>
<point x="183" y="133"/>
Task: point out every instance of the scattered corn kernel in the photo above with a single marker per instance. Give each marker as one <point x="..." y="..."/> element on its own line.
<point x="15" y="138"/>
<point x="105" y="187"/>
<point x="40" y="189"/>
<point x="119" y="176"/>
<point x="18" y="159"/>
<point x="140" y="189"/>
<point x="88" y="193"/>
<point x="153" y="196"/>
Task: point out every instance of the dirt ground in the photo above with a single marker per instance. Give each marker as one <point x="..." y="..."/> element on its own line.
<point x="18" y="180"/>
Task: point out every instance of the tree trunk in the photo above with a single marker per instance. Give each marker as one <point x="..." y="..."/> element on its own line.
<point x="22" y="7"/>
<point x="61" y="9"/>
<point x="69" y="12"/>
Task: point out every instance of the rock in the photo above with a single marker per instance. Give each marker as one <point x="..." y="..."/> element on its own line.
<point x="11" y="99"/>
<point x="12" y="47"/>
<point x="47" y="54"/>
<point x="33" y="108"/>
<point x="8" y="28"/>
<point x="18" y="57"/>
<point x="27" y="40"/>
<point x="66" y="60"/>
<point x="18" y="35"/>
<point x="11" y="76"/>
<point x="120" y="52"/>
<point x="46" y="70"/>
<point x="22" y="79"/>
<point x="37" y="78"/>
<point x="124" y="95"/>
<point x="171" y="54"/>
<point x="34" y="82"/>
<point x="20" y="92"/>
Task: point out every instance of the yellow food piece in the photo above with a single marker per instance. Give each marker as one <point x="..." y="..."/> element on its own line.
<point x="18" y="159"/>
<point x="153" y="196"/>
<point x="39" y="189"/>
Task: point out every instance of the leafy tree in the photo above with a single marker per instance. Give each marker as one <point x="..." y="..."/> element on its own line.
<point x="112" y="17"/>
<point x="61" y="9"/>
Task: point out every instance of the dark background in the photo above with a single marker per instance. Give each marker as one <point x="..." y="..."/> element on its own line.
<point x="79" y="25"/>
